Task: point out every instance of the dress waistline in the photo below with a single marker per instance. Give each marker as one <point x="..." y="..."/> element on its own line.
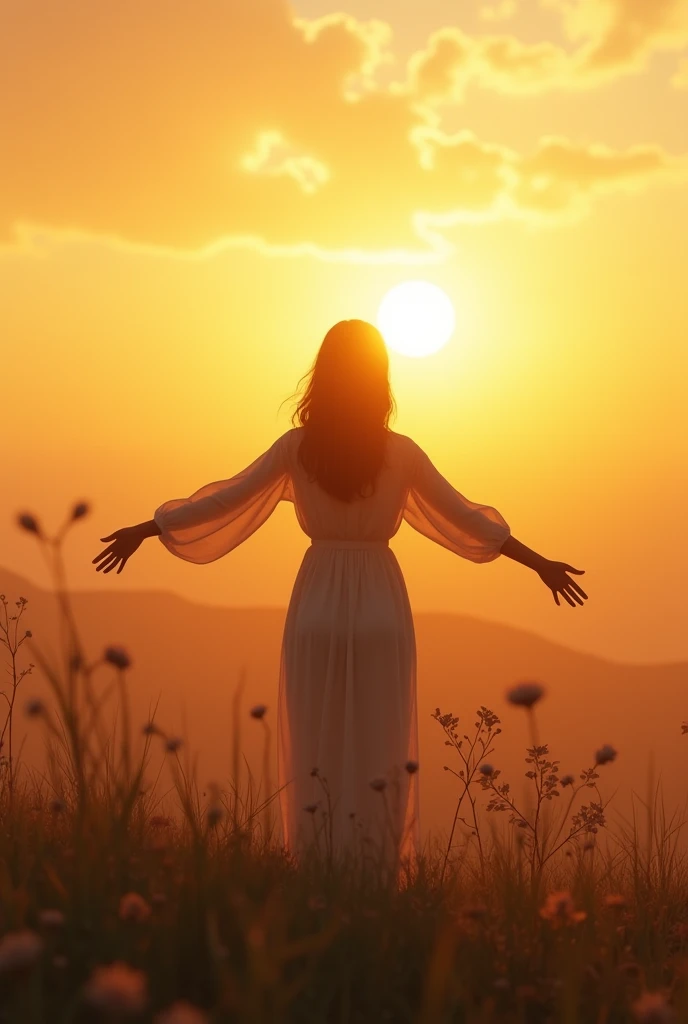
<point x="365" y="544"/>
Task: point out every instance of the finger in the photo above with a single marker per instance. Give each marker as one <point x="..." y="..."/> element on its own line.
<point x="556" y="597"/>
<point x="112" y="535"/>
<point x="571" y="569"/>
<point x="573" y="595"/>
<point x="579" y="589"/>
<point x="124" y="562"/>
<point x="106" y="563"/>
<point x="111" y="567"/>
<point x="569" y="599"/>
<point x="102" y="554"/>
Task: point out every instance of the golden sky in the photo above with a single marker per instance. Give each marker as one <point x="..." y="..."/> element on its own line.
<point x="191" y="193"/>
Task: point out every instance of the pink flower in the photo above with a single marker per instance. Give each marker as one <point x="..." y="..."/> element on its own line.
<point x="117" y="988"/>
<point x="133" y="907"/>
<point x="182" y="1013"/>
<point x="652" y="1008"/>
<point x="559" y="909"/>
<point x="19" y="950"/>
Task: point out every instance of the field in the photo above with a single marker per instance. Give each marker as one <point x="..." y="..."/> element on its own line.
<point x="120" y="900"/>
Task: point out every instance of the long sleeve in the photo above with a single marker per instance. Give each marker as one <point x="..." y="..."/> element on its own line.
<point x="434" y="508"/>
<point x="221" y="515"/>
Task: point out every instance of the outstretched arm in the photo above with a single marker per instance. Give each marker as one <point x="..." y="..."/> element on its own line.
<point x="124" y="543"/>
<point x="552" y="574"/>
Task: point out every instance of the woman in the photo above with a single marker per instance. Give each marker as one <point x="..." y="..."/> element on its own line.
<point x="347" y="722"/>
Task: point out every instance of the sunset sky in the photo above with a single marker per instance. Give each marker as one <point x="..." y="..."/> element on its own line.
<point x="193" y="191"/>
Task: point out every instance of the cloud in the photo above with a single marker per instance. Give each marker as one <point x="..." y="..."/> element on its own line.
<point x="189" y="126"/>
<point x="500" y="11"/>
<point x="611" y="38"/>
<point x="620" y="35"/>
<point x="273" y="155"/>
<point x="680" y="79"/>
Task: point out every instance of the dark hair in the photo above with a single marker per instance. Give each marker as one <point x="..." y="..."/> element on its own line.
<point x="345" y="410"/>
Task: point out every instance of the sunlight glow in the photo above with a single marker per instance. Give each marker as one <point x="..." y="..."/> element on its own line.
<point x="416" y="318"/>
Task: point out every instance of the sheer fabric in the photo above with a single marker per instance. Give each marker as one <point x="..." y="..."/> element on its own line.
<point x="347" y="712"/>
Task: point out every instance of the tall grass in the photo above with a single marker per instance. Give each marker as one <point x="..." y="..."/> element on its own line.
<point x="118" y="902"/>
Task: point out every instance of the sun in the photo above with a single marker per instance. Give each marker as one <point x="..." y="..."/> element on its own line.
<point x="416" y="318"/>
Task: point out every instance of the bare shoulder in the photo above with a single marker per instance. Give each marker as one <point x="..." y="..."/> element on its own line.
<point x="403" y="442"/>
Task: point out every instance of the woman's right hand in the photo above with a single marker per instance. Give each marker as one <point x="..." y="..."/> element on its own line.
<point x="554" y="575"/>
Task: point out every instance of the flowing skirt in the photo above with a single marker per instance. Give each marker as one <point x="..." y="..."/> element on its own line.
<point x="347" y="714"/>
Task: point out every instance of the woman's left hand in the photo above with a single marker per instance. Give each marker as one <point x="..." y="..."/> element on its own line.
<point x="124" y="544"/>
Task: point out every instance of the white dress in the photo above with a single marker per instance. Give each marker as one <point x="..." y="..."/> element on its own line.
<point x="347" y="686"/>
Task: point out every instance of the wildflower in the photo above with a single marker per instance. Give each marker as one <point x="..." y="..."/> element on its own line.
<point x="652" y="1008"/>
<point x="214" y="816"/>
<point x="258" y="710"/>
<point x="411" y="767"/>
<point x="34" y="708"/>
<point x="29" y="522"/>
<point x="475" y="913"/>
<point x="525" y="694"/>
<point x="182" y="1013"/>
<point x="28" y="633"/>
<point x="133" y="907"/>
<point x="559" y="908"/>
<point x="378" y="784"/>
<point x="150" y="729"/>
<point x="117" y="988"/>
<point x="19" y="950"/>
<point x="486" y="769"/>
<point x="51" y="918"/>
<point x="80" y="510"/>
<point x="311" y="808"/>
<point x="172" y="744"/>
<point x="566" y="780"/>
<point x="160" y="821"/>
<point x="117" y="656"/>
<point x="605" y="754"/>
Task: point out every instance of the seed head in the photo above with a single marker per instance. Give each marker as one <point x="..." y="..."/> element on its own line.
<point x="30" y="523"/>
<point x="172" y="744"/>
<point x="258" y="710"/>
<point x="80" y="510"/>
<point x="34" y="708"/>
<point x="411" y="767"/>
<point x="525" y="694"/>
<point x="117" y="656"/>
<point x="566" y="780"/>
<point x="605" y="754"/>
<point x="378" y="784"/>
<point x="486" y="769"/>
<point x="311" y="808"/>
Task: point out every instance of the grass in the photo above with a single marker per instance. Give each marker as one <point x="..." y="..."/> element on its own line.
<point x="111" y="910"/>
